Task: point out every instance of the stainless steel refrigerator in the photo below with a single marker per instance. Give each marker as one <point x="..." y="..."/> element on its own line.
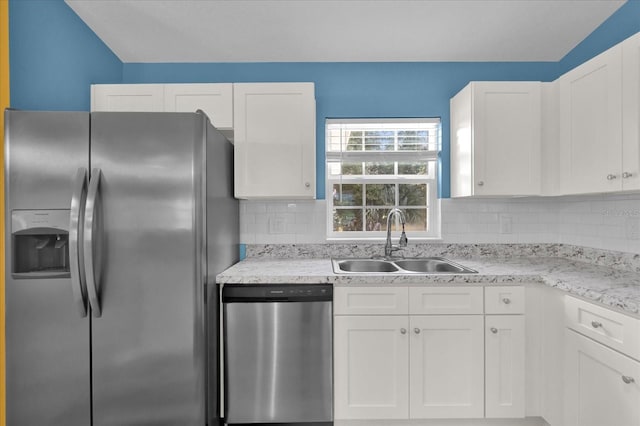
<point x="116" y="226"/>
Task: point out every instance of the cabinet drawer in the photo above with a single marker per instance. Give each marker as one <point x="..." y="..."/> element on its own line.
<point x="370" y="300"/>
<point x="445" y="300"/>
<point x="504" y="300"/>
<point x="616" y="330"/>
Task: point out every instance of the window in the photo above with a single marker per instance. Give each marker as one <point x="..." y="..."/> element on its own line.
<point x="375" y="165"/>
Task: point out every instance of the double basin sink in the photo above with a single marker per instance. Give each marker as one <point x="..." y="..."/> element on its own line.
<point x="422" y="265"/>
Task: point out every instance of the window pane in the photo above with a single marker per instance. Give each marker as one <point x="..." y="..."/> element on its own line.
<point x="354" y="142"/>
<point x="352" y="168"/>
<point x="376" y="219"/>
<point x="416" y="220"/>
<point x="413" y="195"/>
<point x="347" y="195"/>
<point x="416" y="168"/>
<point x="347" y="220"/>
<point x="413" y="140"/>
<point x="379" y="168"/>
<point x="334" y="140"/>
<point x="379" y="140"/>
<point x="383" y="194"/>
<point x="333" y="168"/>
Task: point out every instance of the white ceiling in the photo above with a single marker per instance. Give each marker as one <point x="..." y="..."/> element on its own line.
<point x="342" y="30"/>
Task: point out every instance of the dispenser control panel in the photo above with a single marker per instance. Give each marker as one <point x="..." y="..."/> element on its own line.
<point x="29" y="219"/>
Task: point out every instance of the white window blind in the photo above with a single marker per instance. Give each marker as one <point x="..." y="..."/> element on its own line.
<point x="375" y="165"/>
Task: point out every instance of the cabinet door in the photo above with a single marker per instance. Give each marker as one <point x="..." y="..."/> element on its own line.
<point x="215" y="99"/>
<point x="504" y="363"/>
<point x="602" y="385"/>
<point x="371" y="361"/>
<point x="591" y="125"/>
<point x="506" y="138"/>
<point x="447" y="366"/>
<point x="127" y="97"/>
<point x="631" y="113"/>
<point x="274" y="137"/>
<point x="461" y="144"/>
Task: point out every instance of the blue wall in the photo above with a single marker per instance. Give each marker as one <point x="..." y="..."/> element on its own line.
<point x="55" y="57"/>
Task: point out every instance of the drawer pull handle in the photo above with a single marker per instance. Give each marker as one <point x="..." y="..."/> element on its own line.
<point x="494" y="330"/>
<point x="506" y="300"/>
<point x="596" y="324"/>
<point x="416" y="330"/>
<point x="403" y="331"/>
<point x="628" y="380"/>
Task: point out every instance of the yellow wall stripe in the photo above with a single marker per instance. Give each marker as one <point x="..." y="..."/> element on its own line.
<point x="4" y="103"/>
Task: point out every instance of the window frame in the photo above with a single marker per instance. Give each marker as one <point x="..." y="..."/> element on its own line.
<point x="430" y="180"/>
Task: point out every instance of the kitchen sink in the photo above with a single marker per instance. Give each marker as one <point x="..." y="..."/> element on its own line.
<point x="421" y="265"/>
<point x="363" y="265"/>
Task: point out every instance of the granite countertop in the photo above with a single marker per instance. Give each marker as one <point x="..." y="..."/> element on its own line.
<point x="607" y="285"/>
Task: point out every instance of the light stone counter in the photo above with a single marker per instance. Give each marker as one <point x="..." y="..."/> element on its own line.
<point x="607" y="285"/>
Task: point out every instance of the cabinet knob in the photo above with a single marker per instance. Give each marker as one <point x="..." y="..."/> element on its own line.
<point x="481" y="183"/>
<point x="403" y="331"/>
<point x="626" y="175"/>
<point x="494" y="330"/>
<point x="596" y="324"/>
<point x="416" y="330"/>
<point x="506" y="300"/>
<point x="611" y="177"/>
<point x="307" y="184"/>
<point x="628" y="380"/>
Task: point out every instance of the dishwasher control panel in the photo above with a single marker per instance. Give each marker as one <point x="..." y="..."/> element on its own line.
<point x="247" y="293"/>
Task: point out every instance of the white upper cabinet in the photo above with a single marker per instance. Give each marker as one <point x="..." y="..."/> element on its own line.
<point x="495" y="139"/>
<point x="275" y="140"/>
<point x="127" y="97"/>
<point x="579" y="134"/>
<point x="631" y="113"/>
<point x="215" y="99"/>
<point x="590" y="100"/>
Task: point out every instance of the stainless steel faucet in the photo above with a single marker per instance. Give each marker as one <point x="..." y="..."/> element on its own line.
<point x="388" y="247"/>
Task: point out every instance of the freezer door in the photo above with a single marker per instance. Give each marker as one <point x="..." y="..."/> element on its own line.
<point x="47" y="339"/>
<point x="149" y="341"/>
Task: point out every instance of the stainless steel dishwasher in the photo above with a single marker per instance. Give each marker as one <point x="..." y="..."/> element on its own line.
<point x="278" y="350"/>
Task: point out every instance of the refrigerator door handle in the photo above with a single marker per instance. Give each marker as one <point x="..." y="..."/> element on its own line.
<point x="91" y="232"/>
<point x="76" y="264"/>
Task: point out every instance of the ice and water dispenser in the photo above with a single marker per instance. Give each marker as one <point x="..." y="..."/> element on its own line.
<point x="40" y="243"/>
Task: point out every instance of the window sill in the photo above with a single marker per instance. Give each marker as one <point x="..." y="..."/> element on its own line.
<point x="383" y="240"/>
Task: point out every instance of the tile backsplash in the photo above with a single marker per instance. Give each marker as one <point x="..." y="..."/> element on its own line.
<point x="609" y="222"/>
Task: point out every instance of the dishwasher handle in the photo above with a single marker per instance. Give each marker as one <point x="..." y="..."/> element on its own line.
<point x="272" y="293"/>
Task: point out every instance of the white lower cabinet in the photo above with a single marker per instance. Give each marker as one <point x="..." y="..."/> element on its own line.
<point x="399" y="365"/>
<point x="446" y="366"/>
<point x="602" y="385"/>
<point x="371" y="367"/>
<point x="602" y="366"/>
<point x="504" y="366"/>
